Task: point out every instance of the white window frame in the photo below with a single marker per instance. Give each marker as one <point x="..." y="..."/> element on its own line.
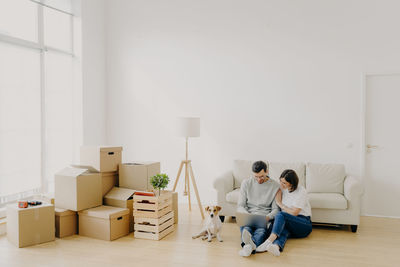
<point x="39" y="45"/>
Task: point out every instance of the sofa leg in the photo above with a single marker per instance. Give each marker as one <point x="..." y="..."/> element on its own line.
<point x="353" y="228"/>
<point x="222" y="218"/>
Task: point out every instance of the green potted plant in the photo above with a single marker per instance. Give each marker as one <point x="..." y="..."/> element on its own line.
<point x="159" y="181"/>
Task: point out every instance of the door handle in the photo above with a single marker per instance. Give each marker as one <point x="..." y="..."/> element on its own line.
<point x="372" y="147"/>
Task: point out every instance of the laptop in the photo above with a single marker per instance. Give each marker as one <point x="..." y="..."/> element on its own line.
<point x="253" y="220"/>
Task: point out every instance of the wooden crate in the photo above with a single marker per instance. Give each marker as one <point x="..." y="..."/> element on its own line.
<point x="152" y="206"/>
<point x="154" y="228"/>
<point x="153" y="216"/>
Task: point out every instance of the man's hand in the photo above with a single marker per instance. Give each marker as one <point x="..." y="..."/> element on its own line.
<point x="267" y="218"/>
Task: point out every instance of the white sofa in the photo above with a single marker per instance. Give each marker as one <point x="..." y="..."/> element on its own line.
<point x="335" y="197"/>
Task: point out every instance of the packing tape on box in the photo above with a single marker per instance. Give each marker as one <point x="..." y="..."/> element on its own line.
<point x="36" y="214"/>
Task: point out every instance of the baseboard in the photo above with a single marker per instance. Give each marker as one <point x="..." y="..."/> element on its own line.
<point x="3" y="212"/>
<point x="3" y="227"/>
<point x="381" y="216"/>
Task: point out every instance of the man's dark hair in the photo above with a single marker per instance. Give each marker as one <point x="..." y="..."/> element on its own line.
<point x="258" y="166"/>
<point x="292" y="178"/>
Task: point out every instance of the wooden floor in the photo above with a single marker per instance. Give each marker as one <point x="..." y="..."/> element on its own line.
<point x="377" y="243"/>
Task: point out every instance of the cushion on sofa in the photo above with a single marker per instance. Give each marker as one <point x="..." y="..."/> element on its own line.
<point x="241" y="171"/>
<point x="233" y="196"/>
<point x="325" y="178"/>
<point x="327" y="201"/>
<point x="276" y="169"/>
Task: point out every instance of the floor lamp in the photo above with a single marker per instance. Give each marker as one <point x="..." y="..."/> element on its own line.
<point x="188" y="127"/>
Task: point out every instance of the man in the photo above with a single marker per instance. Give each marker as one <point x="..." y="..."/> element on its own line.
<point x="257" y="196"/>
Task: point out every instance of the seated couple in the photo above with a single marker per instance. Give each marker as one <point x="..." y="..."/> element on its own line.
<point x="286" y="208"/>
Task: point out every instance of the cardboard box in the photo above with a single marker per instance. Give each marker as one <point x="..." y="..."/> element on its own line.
<point x="78" y="188"/>
<point x="30" y="226"/>
<point x="102" y="158"/>
<point x="104" y="222"/>
<point x="108" y="180"/>
<point x="123" y="198"/>
<point x="174" y="204"/>
<point x="136" y="175"/>
<point x="66" y="222"/>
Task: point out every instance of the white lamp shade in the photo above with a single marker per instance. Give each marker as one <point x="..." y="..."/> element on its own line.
<point x="189" y="126"/>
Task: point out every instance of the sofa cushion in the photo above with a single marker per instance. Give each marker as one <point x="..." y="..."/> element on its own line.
<point x="233" y="196"/>
<point x="276" y="169"/>
<point x="327" y="201"/>
<point x="241" y="171"/>
<point x="325" y="178"/>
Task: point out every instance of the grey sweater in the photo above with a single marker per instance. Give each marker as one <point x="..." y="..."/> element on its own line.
<point x="258" y="198"/>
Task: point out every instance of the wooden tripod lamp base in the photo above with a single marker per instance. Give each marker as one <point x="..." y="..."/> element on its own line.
<point x="189" y="170"/>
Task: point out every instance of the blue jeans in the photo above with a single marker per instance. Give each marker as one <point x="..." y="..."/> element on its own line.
<point x="258" y="234"/>
<point x="286" y="225"/>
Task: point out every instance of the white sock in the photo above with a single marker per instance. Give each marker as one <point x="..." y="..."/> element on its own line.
<point x="246" y="250"/>
<point x="264" y="246"/>
<point x="274" y="249"/>
<point x="246" y="237"/>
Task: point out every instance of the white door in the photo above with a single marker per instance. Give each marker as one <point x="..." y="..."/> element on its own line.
<point x="382" y="162"/>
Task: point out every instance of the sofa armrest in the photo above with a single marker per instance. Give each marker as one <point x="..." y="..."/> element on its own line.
<point x="224" y="183"/>
<point x="353" y="188"/>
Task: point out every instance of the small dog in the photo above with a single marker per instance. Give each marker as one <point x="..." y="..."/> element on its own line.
<point x="213" y="225"/>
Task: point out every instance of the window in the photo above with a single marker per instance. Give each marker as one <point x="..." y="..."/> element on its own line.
<point x="57" y="29"/>
<point x="38" y="105"/>
<point x="19" y="18"/>
<point x="20" y="134"/>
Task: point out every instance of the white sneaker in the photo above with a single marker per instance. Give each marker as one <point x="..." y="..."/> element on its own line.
<point x="246" y="250"/>
<point x="264" y="246"/>
<point x="274" y="249"/>
<point x="246" y="237"/>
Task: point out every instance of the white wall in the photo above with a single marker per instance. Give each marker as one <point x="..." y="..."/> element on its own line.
<point x="277" y="80"/>
<point x="93" y="72"/>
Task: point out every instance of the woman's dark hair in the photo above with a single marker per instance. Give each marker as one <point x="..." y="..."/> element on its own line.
<point x="258" y="166"/>
<point x="292" y="178"/>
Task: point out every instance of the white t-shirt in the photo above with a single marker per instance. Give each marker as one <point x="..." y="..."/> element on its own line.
<point x="297" y="199"/>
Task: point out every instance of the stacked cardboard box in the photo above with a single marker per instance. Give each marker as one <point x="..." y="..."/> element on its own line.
<point x="81" y="191"/>
<point x="66" y="222"/>
<point x="123" y="198"/>
<point x="105" y="159"/>
<point x="136" y="175"/>
<point x="104" y="222"/>
<point x="174" y="205"/>
<point x="77" y="189"/>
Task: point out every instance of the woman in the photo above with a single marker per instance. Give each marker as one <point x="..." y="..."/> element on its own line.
<point x="295" y="218"/>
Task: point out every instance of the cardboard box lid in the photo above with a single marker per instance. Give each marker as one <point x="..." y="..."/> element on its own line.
<point x="120" y="193"/>
<point x="15" y="206"/>
<point x="105" y="148"/>
<point x="141" y="163"/>
<point x="70" y="171"/>
<point x="110" y="148"/>
<point x="77" y="170"/>
<point x="63" y="212"/>
<point x="89" y="169"/>
<point x="105" y="212"/>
